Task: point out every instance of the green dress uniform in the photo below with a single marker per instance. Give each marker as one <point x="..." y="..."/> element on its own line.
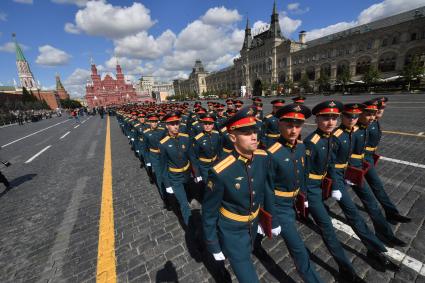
<point x="288" y="179"/>
<point x="318" y="150"/>
<point x="270" y="131"/>
<point x="236" y="189"/>
<point x="176" y="157"/>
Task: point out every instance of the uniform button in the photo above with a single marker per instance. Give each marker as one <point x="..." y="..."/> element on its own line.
<point x="253" y="203"/>
<point x="252" y="179"/>
<point x="296" y="161"/>
<point x="249" y="166"/>
<point x="253" y="193"/>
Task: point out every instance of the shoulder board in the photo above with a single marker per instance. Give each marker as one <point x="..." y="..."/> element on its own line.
<point x="300" y="141"/>
<point x="219" y="167"/>
<point x="161" y="128"/>
<point x="147" y="130"/>
<point x="274" y="147"/>
<point x="215" y="132"/>
<point x="269" y="115"/>
<point x="138" y="124"/>
<point x="194" y="123"/>
<point x="198" y="136"/>
<point x="183" y="135"/>
<point x="338" y="132"/>
<point x="355" y="128"/>
<point x="260" y="152"/>
<point x="315" y="138"/>
<point x="223" y="129"/>
<point x="164" y="140"/>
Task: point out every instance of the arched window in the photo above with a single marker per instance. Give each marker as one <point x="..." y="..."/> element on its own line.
<point x="311" y="74"/>
<point x="297" y="75"/>
<point x="387" y="62"/>
<point x="325" y="69"/>
<point x="362" y="65"/>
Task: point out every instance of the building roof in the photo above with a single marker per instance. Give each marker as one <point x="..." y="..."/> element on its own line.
<point x="382" y="23"/>
<point x="19" y="54"/>
<point x="7" y="88"/>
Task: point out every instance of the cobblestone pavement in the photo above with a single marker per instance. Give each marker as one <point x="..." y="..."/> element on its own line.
<point x="49" y="221"/>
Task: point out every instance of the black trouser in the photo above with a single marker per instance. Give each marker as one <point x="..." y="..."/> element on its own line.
<point x="4" y="180"/>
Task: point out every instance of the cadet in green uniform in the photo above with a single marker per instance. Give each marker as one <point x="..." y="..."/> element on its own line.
<point x="382" y="228"/>
<point x="318" y="153"/>
<point x="176" y="153"/>
<point x="270" y="132"/>
<point x="237" y="187"/>
<point x="288" y="178"/>
<point x="341" y="151"/>
<point x="374" y="134"/>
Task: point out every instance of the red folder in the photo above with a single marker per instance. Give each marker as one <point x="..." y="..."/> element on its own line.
<point x="266" y="222"/>
<point x="302" y="211"/>
<point x="375" y="158"/>
<point x="356" y="175"/>
<point x="326" y="187"/>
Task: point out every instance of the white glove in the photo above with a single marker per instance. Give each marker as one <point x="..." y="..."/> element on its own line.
<point x="128" y="137"/>
<point x="276" y="231"/>
<point x="260" y="230"/>
<point x="148" y="164"/>
<point x="169" y="190"/>
<point x="219" y="256"/>
<point x="132" y="139"/>
<point x="349" y="183"/>
<point x="337" y="195"/>
<point x="306" y="204"/>
<point x="198" y="179"/>
<point x="137" y="151"/>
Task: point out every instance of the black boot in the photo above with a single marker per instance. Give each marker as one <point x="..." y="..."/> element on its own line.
<point x="391" y="242"/>
<point x="383" y="261"/>
<point x="395" y="218"/>
<point x="349" y="275"/>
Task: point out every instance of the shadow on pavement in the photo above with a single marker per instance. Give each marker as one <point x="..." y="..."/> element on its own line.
<point x="167" y="274"/>
<point x="18" y="181"/>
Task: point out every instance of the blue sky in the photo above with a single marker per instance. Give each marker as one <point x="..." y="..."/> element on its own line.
<point x="158" y="37"/>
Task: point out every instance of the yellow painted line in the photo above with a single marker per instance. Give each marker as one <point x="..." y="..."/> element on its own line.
<point x="420" y="135"/>
<point x="106" y="270"/>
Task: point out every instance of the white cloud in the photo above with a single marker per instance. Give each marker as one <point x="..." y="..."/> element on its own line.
<point x="23" y="1"/>
<point x="374" y="12"/>
<point x="287" y="24"/>
<point x="294" y="8"/>
<point x="142" y="45"/>
<point x="10" y="47"/>
<point x="259" y="26"/>
<point x="76" y="82"/>
<point x="102" y="19"/>
<point x="79" y="3"/>
<point x="3" y="16"/>
<point x="221" y="16"/>
<point x="71" y="28"/>
<point x="129" y="66"/>
<point x="51" y="56"/>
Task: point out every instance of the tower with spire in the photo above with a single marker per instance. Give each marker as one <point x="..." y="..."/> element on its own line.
<point x="274" y="31"/>
<point x="248" y="38"/>
<point x="26" y="77"/>
<point x="61" y="91"/>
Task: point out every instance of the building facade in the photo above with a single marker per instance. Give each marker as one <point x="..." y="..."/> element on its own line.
<point x="109" y="91"/>
<point x="269" y="58"/>
<point x="195" y="84"/>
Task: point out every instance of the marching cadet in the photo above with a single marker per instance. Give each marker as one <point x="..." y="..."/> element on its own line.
<point x="270" y="132"/>
<point x="299" y="99"/>
<point x="288" y="178"/>
<point x="207" y="145"/>
<point x="238" y="104"/>
<point x="227" y="144"/>
<point x="177" y="155"/>
<point x="374" y="134"/>
<point x="151" y="138"/>
<point x="220" y="118"/>
<point x="318" y="150"/>
<point x="138" y="138"/>
<point x="382" y="229"/>
<point x="341" y="150"/>
<point x="196" y="125"/>
<point x="238" y="186"/>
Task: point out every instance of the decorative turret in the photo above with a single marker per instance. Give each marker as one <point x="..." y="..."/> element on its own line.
<point x="24" y="72"/>
<point x="62" y="93"/>
<point x="248" y="38"/>
<point x="274" y="24"/>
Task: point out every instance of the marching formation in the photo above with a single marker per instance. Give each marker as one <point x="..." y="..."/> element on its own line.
<point x="253" y="175"/>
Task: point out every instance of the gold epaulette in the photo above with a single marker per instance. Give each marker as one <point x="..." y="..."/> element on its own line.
<point x="147" y="130"/>
<point x="224" y="164"/>
<point x="198" y="136"/>
<point x="136" y="125"/>
<point x="161" y="128"/>
<point x="164" y="140"/>
<point x="315" y="138"/>
<point x="274" y="147"/>
<point x="355" y="128"/>
<point x="338" y="132"/>
<point x="214" y="131"/>
<point x="224" y="129"/>
<point x="183" y="135"/>
<point x="300" y="141"/>
<point x="194" y="123"/>
<point x="260" y="152"/>
<point x="268" y="116"/>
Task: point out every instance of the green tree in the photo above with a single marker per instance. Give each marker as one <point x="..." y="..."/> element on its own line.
<point x="323" y="81"/>
<point x="343" y="77"/>
<point x="371" y="76"/>
<point x="305" y="83"/>
<point x="27" y="96"/>
<point x="412" y="71"/>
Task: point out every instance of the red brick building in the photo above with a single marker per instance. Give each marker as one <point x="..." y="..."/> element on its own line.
<point x="109" y="91"/>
